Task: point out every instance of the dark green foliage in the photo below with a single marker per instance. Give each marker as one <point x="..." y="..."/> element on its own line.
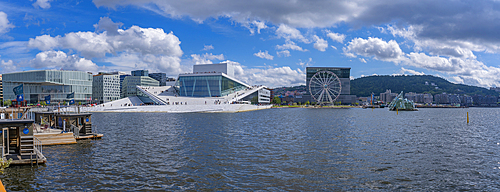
<point x="364" y="86"/>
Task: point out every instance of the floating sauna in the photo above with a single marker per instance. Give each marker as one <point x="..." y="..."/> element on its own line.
<point x="63" y="128"/>
<point x="18" y="142"/>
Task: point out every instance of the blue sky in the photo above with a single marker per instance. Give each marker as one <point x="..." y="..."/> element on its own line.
<point x="269" y="42"/>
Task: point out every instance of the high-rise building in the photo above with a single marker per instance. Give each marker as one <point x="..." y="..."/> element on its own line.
<point x="161" y="77"/>
<point x="60" y="85"/>
<point x="343" y="73"/>
<point x="105" y="88"/>
<point x="130" y="83"/>
<point x="1" y="90"/>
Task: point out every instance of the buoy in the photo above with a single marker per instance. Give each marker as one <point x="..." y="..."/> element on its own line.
<point x="467" y="117"/>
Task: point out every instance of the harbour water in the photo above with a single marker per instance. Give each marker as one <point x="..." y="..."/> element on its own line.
<point x="277" y="150"/>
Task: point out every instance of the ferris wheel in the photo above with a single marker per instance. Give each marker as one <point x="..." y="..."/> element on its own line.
<point x="325" y="87"/>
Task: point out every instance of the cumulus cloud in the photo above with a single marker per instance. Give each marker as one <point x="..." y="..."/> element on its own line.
<point x="300" y="13"/>
<point x="284" y="53"/>
<point x="336" y="36"/>
<point x="375" y="47"/>
<point x="206" y="58"/>
<point x="44" y="4"/>
<point x="5" y="25"/>
<point x="413" y="72"/>
<point x="106" y="24"/>
<point x="362" y="60"/>
<point x="264" y="55"/>
<point x="60" y="60"/>
<point x="290" y="45"/>
<point x="270" y="77"/>
<point x="290" y="33"/>
<point x="7" y="66"/>
<point x="255" y="25"/>
<point x="207" y="47"/>
<point x="92" y="45"/>
<point x="320" y="44"/>
<point x="124" y="48"/>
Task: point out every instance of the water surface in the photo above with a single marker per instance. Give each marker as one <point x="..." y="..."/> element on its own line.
<point x="276" y="150"/>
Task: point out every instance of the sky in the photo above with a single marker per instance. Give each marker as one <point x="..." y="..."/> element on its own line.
<point x="269" y="42"/>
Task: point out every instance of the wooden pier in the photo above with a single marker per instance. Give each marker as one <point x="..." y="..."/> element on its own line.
<point x="64" y="128"/>
<point x="19" y="144"/>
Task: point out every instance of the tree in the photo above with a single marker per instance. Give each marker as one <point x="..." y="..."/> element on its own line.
<point x="276" y="100"/>
<point x="308" y="103"/>
<point x="7" y="103"/>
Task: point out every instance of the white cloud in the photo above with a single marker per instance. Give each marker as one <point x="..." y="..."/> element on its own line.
<point x="264" y="55"/>
<point x="207" y="47"/>
<point x="413" y="72"/>
<point x="290" y="45"/>
<point x="44" y="4"/>
<point x="106" y="24"/>
<point x="134" y="40"/>
<point x="362" y="60"/>
<point x="5" y="25"/>
<point x="284" y="53"/>
<point x="290" y="33"/>
<point x="305" y="63"/>
<point x="336" y="36"/>
<point x="320" y="44"/>
<point x="206" y="58"/>
<point x="7" y="66"/>
<point x="270" y="77"/>
<point x="299" y="13"/>
<point x="333" y="47"/>
<point x="59" y="60"/>
<point x="255" y="25"/>
<point x="375" y="47"/>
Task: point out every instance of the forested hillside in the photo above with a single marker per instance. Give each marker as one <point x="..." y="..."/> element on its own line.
<point x="364" y="86"/>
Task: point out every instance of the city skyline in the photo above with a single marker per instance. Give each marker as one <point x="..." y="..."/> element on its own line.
<point x="270" y="43"/>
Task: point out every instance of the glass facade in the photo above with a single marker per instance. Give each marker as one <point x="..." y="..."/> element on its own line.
<point x="57" y="84"/>
<point x="207" y="86"/>
<point x="341" y="72"/>
<point x="130" y="82"/>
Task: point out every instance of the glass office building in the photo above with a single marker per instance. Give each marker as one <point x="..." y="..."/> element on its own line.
<point x="56" y="83"/>
<point x="207" y="85"/>
<point x="130" y="83"/>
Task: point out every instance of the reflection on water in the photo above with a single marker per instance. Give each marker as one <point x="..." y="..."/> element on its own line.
<point x="276" y="149"/>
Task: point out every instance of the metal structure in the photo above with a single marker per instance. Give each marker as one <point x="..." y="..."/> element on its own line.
<point x="401" y="104"/>
<point x="325" y="87"/>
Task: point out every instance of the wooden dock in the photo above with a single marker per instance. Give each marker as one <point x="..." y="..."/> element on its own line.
<point x="19" y="144"/>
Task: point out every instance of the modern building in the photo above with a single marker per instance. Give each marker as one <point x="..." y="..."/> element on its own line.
<point x="209" y="89"/>
<point x="387" y="96"/>
<point x="160" y="77"/>
<point x="343" y="73"/>
<point x="105" y="88"/>
<point x="131" y="82"/>
<point x="122" y="77"/>
<point x="225" y="68"/>
<point x="60" y="85"/>
<point x="140" y="73"/>
<point x="1" y="90"/>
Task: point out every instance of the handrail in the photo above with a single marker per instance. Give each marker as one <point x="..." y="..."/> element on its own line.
<point x="75" y="130"/>
<point x="38" y="146"/>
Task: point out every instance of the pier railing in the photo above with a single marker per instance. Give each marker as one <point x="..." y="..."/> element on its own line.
<point x="38" y="147"/>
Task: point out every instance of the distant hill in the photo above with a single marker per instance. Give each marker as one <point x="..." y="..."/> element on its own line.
<point x="364" y="86"/>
